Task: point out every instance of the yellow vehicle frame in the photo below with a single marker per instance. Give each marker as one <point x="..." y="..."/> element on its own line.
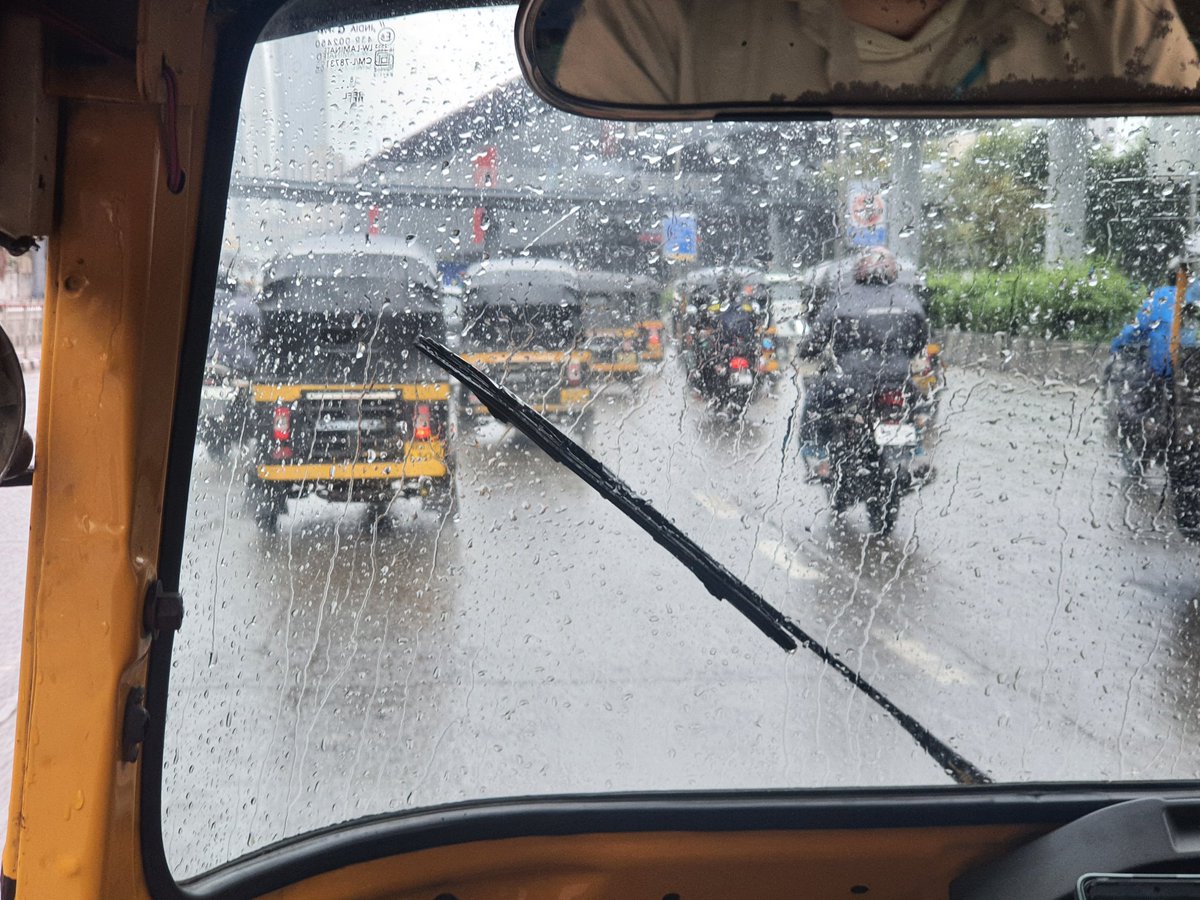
<point x="129" y="267"/>
<point x="422" y="459"/>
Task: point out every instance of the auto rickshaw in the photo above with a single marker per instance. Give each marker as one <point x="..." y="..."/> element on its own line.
<point x="523" y="325"/>
<point x="344" y="407"/>
<point x="232" y="348"/>
<point x="612" y="318"/>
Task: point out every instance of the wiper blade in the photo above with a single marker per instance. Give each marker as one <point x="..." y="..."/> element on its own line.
<point x="509" y="409"/>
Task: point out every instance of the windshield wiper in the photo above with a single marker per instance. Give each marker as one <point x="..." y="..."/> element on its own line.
<point x="507" y="408"/>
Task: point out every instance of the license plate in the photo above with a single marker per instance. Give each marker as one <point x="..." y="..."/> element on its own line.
<point x="899" y="435"/>
<point x="741" y="379"/>
<point x="213" y="392"/>
<point x="350" y="425"/>
<point x="627" y="359"/>
<point x="350" y="395"/>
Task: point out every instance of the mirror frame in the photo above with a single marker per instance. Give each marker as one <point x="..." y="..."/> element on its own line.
<point x="525" y="30"/>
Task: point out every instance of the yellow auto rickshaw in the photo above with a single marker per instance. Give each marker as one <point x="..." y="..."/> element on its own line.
<point x="343" y="406"/>
<point x="523" y="326"/>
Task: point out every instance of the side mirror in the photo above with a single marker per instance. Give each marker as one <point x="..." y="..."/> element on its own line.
<point x="16" y="446"/>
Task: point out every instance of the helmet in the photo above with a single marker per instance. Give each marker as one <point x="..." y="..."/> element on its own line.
<point x="876" y="266"/>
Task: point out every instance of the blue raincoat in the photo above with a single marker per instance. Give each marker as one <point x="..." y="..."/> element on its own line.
<point x="1153" y="327"/>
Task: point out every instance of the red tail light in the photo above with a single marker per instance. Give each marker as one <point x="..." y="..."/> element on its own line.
<point x="893" y="399"/>
<point x="738" y="363"/>
<point x="574" y="374"/>
<point x="422" y="429"/>
<point x="282" y="424"/>
<point x="654" y="340"/>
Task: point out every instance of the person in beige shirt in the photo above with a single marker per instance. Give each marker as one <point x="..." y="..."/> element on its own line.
<point x="728" y="51"/>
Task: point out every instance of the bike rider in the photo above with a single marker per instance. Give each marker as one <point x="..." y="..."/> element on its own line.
<point x="1151" y="327"/>
<point x="1145" y="413"/>
<point x="867" y="334"/>
<point x="704" y="341"/>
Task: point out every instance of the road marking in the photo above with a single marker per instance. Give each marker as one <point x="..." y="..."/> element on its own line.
<point x="718" y="506"/>
<point x="785" y="558"/>
<point x="927" y="662"/>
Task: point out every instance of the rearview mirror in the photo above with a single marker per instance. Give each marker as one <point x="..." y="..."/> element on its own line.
<point x="16" y="447"/>
<point x="648" y="59"/>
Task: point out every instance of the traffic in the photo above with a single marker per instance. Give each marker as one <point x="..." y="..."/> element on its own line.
<point x="712" y="443"/>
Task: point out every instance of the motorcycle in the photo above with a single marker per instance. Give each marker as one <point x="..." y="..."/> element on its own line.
<point x="1139" y="410"/>
<point x="862" y="441"/>
<point x="726" y="373"/>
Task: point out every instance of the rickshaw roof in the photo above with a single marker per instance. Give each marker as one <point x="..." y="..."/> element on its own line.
<point x="351" y="256"/>
<point x="601" y="281"/>
<point x="711" y="276"/>
<point x="522" y="281"/>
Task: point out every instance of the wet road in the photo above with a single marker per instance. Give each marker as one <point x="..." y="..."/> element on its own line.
<point x="1034" y="607"/>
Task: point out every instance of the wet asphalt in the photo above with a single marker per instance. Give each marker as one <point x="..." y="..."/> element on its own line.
<point x="1034" y="608"/>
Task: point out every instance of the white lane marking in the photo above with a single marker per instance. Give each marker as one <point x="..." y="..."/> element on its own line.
<point x="784" y="558"/>
<point x="718" y="506"/>
<point x="927" y="662"/>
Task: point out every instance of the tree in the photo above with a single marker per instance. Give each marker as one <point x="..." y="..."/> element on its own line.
<point x="985" y="199"/>
<point x="1135" y="222"/>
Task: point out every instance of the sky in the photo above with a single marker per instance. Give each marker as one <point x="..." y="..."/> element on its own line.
<point x="384" y="79"/>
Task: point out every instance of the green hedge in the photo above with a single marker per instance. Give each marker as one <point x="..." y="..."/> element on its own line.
<point x="1072" y="302"/>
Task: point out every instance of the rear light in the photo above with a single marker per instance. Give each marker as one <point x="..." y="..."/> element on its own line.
<point x="738" y="363"/>
<point x="574" y="374"/>
<point x="422" y="429"/>
<point x="654" y="340"/>
<point x="282" y="424"/>
<point x="892" y="398"/>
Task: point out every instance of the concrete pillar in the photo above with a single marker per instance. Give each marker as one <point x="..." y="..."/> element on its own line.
<point x="1066" y="189"/>
<point x="905" y="222"/>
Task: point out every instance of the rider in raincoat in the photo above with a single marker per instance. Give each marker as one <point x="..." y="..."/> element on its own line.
<point x="1152" y="326"/>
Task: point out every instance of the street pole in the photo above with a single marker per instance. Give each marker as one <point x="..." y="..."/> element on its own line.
<point x="1191" y="235"/>
<point x="1066" y="191"/>
<point x="905" y="219"/>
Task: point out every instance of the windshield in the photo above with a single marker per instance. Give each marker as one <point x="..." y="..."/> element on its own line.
<point x="920" y="385"/>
